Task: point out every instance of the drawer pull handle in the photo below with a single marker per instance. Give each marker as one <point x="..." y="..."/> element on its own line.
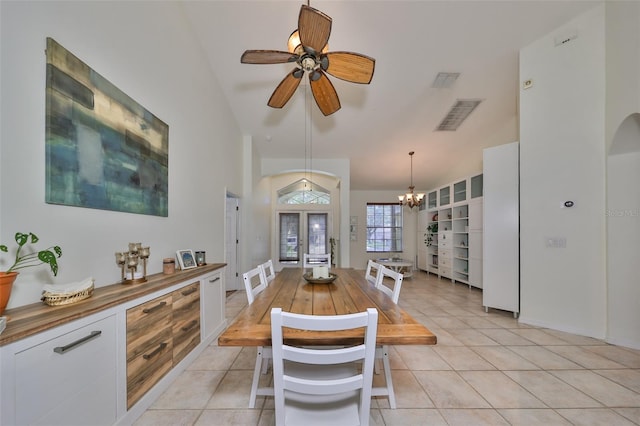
<point x="156" y="352"/>
<point x="62" y="349"/>
<point x="214" y="280"/>
<point x="189" y="291"/>
<point x="190" y="325"/>
<point x="155" y="308"/>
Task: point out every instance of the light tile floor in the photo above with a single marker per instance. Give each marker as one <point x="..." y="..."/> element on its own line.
<point x="487" y="369"/>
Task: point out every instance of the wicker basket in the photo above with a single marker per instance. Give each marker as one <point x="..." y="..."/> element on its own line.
<point x="59" y="299"/>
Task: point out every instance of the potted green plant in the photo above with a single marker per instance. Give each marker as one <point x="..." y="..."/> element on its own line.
<point x="25" y="260"/>
<point x="431" y="229"/>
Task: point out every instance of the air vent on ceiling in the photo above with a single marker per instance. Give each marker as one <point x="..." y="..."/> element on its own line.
<point x="457" y="114"/>
<point x="444" y="80"/>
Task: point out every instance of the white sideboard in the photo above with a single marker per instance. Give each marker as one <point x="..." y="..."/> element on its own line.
<point x="67" y="365"/>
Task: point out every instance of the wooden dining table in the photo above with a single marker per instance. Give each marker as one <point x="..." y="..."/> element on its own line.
<point x="349" y="293"/>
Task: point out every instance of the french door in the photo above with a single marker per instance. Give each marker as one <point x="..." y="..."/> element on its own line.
<point x="299" y="233"/>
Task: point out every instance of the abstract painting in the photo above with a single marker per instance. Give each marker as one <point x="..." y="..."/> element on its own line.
<point x="103" y="149"/>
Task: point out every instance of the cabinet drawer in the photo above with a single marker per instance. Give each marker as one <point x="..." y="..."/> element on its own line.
<point x="149" y="345"/>
<point x="445" y="271"/>
<point x="444" y="253"/>
<point x="144" y="322"/>
<point x="186" y="302"/>
<point x="445" y="239"/>
<point x="70" y="379"/>
<point x="150" y="364"/>
<point x="444" y="258"/>
<point x="186" y="321"/>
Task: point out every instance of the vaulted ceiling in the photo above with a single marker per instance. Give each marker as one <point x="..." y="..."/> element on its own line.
<point x="379" y="123"/>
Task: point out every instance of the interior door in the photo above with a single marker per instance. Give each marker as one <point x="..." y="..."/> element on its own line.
<point x="301" y="232"/>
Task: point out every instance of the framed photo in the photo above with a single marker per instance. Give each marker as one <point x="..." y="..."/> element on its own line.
<point x="186" y="259"/>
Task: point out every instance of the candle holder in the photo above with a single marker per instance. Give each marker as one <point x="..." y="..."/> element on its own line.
<point x="130" y="260"/>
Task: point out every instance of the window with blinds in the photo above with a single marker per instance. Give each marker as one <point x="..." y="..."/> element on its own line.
<point x="384" y="227"/>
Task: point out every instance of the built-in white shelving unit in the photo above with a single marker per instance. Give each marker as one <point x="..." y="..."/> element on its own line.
<point x="450" y="231"/>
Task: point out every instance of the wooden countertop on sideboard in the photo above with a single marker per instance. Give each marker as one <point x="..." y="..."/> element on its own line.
<point x="28" y="320"/>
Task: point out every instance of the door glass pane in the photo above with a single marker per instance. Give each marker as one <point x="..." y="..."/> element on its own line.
<point x="317" y="232"/>
<point x="289" y="236"/>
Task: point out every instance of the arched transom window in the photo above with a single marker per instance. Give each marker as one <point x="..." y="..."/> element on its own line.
<point x="304" y="191"/>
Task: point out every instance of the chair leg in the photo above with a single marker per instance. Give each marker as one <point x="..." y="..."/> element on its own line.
<point x="256" y="378"/>
<point x="387" y="376"/>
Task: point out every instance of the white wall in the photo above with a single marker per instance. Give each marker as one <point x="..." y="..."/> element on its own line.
<point x="359" y="200"/>
<point x="562" y="157"/>
<point x="146" y="50"/>
<point x="255" y="211"/>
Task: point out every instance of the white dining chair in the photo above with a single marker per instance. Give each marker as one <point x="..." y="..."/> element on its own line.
<point x="382" y="352"/>
<point x="372" y="272"/>
<point x="323" y="386"/>
<point x="255" y="282"/>
<point x="396" y="282"/>
<point x="269" y="271"/>
<point x="311" y="260"/>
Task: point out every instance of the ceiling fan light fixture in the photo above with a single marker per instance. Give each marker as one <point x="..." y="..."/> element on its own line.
<point x="294" y="45"/>
<point x="306" y="48"/>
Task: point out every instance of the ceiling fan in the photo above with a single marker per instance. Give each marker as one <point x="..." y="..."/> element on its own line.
<point x="311" y="56"/>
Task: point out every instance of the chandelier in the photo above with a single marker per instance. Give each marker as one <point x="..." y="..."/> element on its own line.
<point x="410" y="198"/>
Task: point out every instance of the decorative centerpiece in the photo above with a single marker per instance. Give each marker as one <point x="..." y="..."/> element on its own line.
<point x="8" y="277"/>
<point x="130" y="261"/>
<point x="319" y="275"/>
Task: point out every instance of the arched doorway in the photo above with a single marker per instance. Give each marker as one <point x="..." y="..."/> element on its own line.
<point x="623" y="234"/>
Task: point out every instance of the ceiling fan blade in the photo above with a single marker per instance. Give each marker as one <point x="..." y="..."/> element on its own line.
<point x="324" y="93"/>
<point x="314" y="28"/>
<point x="267" y="57"/>
<point x="285" y="89"/>
<point x="350" y="66"/>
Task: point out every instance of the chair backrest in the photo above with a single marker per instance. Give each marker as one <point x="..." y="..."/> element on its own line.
<point x="269" y="272"/>
<point x="372" y="272"/>
<point x="311" y="260"/>
<point x="254" y="282"/>
<point x="317" y="356"/>
<point x="396" y="277"/>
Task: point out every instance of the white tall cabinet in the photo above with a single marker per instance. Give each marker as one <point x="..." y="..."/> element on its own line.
<point x="501" y="219"/>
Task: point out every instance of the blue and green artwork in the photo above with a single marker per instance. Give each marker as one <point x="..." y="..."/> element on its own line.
<point x="103" y="149"/>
